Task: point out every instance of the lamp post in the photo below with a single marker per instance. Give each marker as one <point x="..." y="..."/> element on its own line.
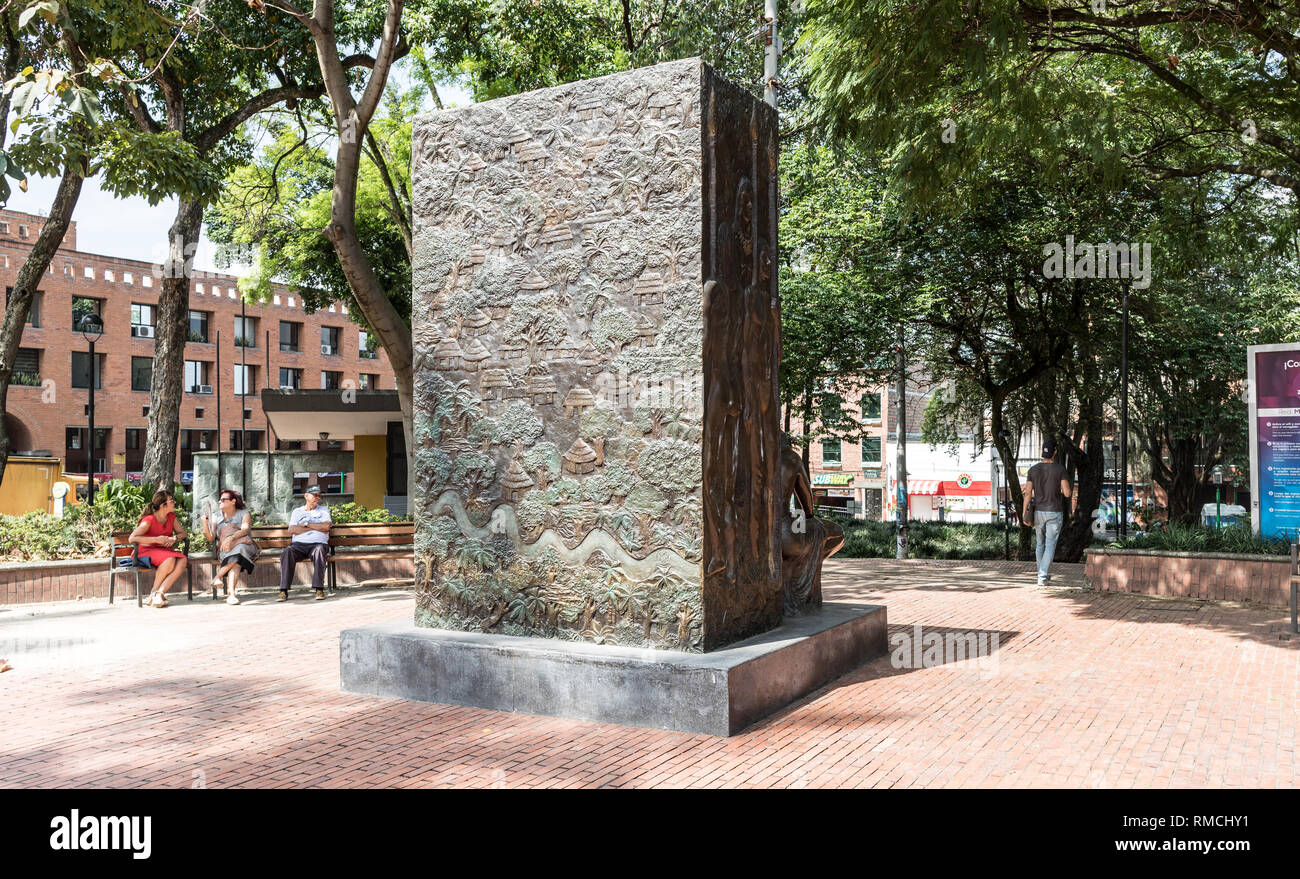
<point x="91" y="327"/>
<point x="1123" y="419"/>
<point x="1006" y="504"/>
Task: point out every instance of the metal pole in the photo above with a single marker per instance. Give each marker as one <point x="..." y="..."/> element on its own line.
<point x="1006" y="513"/>
<point x="1218" y="507"/>
<point x="268" y="425"/>
<point x="1123" y="416"/>
<point x="901" y="430"/>
<point x="771" y="53"/>
<point x="90" y="414"/>
<point x="221" y="472"/>
<point x="243" y="392"/>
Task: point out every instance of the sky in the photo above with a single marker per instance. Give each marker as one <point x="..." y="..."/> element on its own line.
<point x="131" y="227"/>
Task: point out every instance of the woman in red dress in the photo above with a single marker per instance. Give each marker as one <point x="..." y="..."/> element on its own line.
<point x="157" y="534"/>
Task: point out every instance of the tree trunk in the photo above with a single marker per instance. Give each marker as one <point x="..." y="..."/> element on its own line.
<point x="24" y="288"/>
<point x="170" y="336"/>
<point x="1183" y="484"/>
<point x="1089" y="471"/>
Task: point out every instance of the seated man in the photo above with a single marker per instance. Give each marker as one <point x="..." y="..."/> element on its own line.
<point x="309" y="526"/>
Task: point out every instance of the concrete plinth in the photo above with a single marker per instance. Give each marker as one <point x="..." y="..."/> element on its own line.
<point x="717" y="693"/>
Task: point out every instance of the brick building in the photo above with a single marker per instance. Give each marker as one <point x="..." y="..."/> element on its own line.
<point x="849" y="476"/>
<point x="236" y="349"/>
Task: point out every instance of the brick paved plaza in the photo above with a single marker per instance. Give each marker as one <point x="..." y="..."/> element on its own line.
<point x="1086" y="690"/>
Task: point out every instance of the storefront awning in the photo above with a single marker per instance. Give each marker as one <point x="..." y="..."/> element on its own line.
<point x="951" y="488"/>
<point x="923" y="486"/>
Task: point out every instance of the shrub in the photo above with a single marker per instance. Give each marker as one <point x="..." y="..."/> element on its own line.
<point x="925" y="540"/>
<point x="1198" y="538"/>
<point x="352" y="512"/>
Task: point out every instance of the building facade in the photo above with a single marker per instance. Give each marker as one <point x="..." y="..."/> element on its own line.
<point x="235" y="350"/>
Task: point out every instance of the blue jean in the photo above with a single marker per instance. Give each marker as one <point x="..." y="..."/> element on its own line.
<point x="1047" y="528"/>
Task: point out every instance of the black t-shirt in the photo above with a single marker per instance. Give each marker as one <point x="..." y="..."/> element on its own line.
<point x="1046" y="477"/>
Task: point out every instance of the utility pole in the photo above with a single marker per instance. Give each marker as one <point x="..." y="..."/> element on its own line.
<point x="772" y="52"/>
<point x="901" y="431"/>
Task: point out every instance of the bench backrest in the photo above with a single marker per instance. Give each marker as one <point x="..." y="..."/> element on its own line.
<point x="122" y="546"/>
<point x="349" y="534"/>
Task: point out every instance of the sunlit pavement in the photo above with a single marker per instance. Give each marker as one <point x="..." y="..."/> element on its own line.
<point x="1073" y="689"/>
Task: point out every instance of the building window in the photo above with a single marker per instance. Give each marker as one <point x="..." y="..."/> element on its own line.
<point x="22" y="231"/>
<point x="27" y="368"/>
<point x="290" y="379"/>
<point x="245" y="380"/>
<point x="830" y="451"/>
<point x="366" y="346"/>
<point x="329" y="380"/>
<point x="141" y="321"/>
<point x="134" y="438"/>
<point x="82" y="306"/>
<point x="245" y="332"/>
<point x="251" y="440"/>
<point x="34" y="312"/>
<point x="199" y="326"/>
<point x="141" y="373"/>
<point x="871" y="407"/>
<point x="75" y="439"/>
<point x="369" y="382"/>
<point x="108" y="275"/>
<point x="196" y="377"/>
<point x="81" y="370"/>
<point x="4" y="227"/>
<point x="289" y="332"/>
<point x="288" y="445"/>
<point x="146" y="281"/>
<point x="871" y="450"/>
<point x="128" y="278"/>
<point x="330" y="341"/>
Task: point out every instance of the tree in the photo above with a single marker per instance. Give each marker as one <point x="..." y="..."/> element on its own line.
<point x="58" y="112"/>
<point x="199" y="88"/>
<point x="841" y="294"/>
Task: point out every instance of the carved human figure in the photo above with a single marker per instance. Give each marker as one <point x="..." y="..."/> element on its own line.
<point x="806" y="541"/>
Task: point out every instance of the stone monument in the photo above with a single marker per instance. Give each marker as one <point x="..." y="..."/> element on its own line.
<point x="598" y="459"/>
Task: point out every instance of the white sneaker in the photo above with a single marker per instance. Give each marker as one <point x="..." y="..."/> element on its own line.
<point x="233" y="599"/>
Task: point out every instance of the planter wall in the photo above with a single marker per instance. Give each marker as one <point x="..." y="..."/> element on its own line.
<point x="34" y="582"/>
<point x="1218" y="576"/>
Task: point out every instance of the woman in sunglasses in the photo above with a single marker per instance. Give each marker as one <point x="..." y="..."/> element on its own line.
<point x="231" y="543"/>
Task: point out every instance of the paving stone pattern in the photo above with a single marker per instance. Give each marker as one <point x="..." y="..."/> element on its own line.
<point x="1088" y="690"/>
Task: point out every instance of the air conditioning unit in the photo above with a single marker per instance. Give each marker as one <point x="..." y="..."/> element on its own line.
<point x="204" y="389"/>
<point x="327" y="349"/>
<point x="287" y="388"/>
<point x="142" y="332"/>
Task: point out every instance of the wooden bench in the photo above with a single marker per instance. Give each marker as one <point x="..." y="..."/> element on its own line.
<point x="362" y="541"/>
<point x="123" y="548"/>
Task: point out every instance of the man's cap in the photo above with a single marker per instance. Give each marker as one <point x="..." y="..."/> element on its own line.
<point x="312" y="489"/>
<point x="1049" y="448"/>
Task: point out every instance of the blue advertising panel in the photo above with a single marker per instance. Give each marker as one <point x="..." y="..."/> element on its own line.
<point x="1274" y="372"/>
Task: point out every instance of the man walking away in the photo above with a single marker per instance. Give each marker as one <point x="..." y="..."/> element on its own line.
<point x="1045" y="507"/>
<point x="309" y="527"/>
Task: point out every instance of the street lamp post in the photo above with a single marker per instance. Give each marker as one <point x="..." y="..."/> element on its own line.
<point x="1006" y="503"/>
<point x="1218" y="495"/>
<point x="1123" y="421"/>
<point x="91" y="327"/>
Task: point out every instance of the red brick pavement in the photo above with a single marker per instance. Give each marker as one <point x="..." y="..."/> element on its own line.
<point x="1087" y="690"/>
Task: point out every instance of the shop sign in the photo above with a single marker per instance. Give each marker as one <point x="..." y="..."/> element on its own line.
<point x="832" y="479"/>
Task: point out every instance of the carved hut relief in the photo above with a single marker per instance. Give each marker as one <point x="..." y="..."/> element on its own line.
<point x="578" y="383"/>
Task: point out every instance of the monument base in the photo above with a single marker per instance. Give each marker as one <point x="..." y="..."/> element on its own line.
<point x="717" y="693"/>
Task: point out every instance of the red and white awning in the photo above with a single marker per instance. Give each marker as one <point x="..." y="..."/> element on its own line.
<point x="923" y="486"/>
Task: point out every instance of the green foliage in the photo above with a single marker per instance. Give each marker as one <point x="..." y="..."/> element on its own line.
<point x="925" y="540"/>
<point x="1198" y="538"/>
<point x="353" y="512"/>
